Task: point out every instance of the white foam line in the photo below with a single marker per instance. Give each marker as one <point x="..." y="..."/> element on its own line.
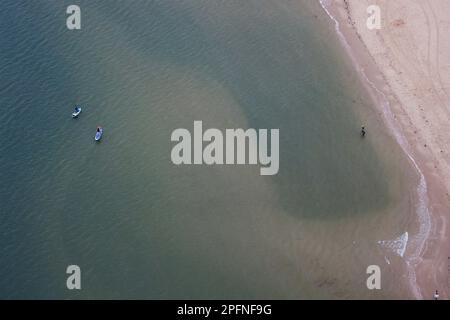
<point x="422" y="208"/>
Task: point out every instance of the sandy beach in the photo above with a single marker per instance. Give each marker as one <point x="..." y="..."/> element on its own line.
<point x="407" y="65"/>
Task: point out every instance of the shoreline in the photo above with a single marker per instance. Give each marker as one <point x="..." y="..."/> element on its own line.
<point x="425" y="258"/>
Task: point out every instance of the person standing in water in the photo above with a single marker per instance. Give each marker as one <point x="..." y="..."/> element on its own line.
<point x="363" y="131"/>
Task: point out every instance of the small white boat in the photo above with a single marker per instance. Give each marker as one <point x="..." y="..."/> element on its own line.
<point x="98" y="134"/>
<point x="76" y="112"/>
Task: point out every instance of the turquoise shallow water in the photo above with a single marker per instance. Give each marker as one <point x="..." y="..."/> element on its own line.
<point x="140" y="227"/>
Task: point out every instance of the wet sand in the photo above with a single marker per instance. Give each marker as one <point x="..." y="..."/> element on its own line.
<point x="407" y="66"/>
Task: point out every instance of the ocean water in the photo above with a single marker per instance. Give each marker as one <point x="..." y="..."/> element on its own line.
<point x="139" y="226"/>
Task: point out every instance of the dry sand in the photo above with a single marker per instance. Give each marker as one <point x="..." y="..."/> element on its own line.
<point x="408" y="60"/>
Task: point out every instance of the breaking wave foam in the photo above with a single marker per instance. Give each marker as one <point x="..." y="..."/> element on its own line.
<point x="413" y="258"/>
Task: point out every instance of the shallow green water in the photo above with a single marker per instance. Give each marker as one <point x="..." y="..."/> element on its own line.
<point x="140" y="227"/>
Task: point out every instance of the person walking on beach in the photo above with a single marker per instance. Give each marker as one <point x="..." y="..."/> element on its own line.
<point x="436" y="295"/>
<point x="363" y="131"/>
